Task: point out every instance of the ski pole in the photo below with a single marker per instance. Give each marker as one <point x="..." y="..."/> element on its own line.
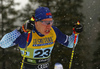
<point x="25" y="50"/>
<point x="22" y="64"/>
<point x="70" y="64"/>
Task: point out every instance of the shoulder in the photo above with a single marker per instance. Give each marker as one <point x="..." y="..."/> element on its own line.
<point x="55" y="28"/>
<point x="57" y="31"/>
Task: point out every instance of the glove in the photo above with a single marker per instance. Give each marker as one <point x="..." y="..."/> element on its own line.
<point x="27" y="27"/>
<point x="77" y="28"/>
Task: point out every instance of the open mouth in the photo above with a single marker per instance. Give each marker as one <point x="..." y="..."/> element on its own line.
<point x="47" y="31"/>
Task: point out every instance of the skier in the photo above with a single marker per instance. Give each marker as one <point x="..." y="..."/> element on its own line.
<point x="41" y="40"/>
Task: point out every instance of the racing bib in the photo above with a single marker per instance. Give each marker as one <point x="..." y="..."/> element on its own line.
<point x="40" y="47"/>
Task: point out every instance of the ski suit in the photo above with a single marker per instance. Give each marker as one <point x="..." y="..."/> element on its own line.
<point x="39" y="46"/>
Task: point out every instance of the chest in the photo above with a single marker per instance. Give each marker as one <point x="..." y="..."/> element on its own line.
<point x="40" y="47"/>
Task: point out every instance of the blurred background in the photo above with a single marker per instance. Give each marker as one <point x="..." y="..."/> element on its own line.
<point x="13" y="13"/>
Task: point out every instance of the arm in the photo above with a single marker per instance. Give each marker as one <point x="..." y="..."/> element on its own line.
<point x="13" y="38"/>
<point x="9" y="38"/>
<point x="71" y="40"/>
<point x="65" y="39"/>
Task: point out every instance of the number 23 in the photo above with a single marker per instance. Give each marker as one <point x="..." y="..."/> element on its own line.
<point x="40" y="52"/>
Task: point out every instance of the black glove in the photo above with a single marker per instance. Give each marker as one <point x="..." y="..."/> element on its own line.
<point x="28" y="26"/>
<point x="77" y="28"/>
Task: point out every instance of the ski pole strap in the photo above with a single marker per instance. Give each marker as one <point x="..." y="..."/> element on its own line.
<point x="23" y="29"/>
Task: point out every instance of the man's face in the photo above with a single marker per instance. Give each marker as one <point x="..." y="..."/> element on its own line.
<point x="44" y="26"/>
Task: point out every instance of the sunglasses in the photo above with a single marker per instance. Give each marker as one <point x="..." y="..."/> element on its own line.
<point x="47" y="22"/>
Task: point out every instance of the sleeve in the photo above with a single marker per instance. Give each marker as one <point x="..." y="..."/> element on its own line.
<point x="71" y="40"/>
<point x="21" y="40"/>
<point x="65" y="39"/>
<point x="9" y="38"/>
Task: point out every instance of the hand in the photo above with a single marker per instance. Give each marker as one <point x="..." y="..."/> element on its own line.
<point x="77" y="28"/>
<point x="27" y="27"/>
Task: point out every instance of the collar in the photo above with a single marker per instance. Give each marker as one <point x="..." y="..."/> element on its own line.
<point x="35" y="30"/>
